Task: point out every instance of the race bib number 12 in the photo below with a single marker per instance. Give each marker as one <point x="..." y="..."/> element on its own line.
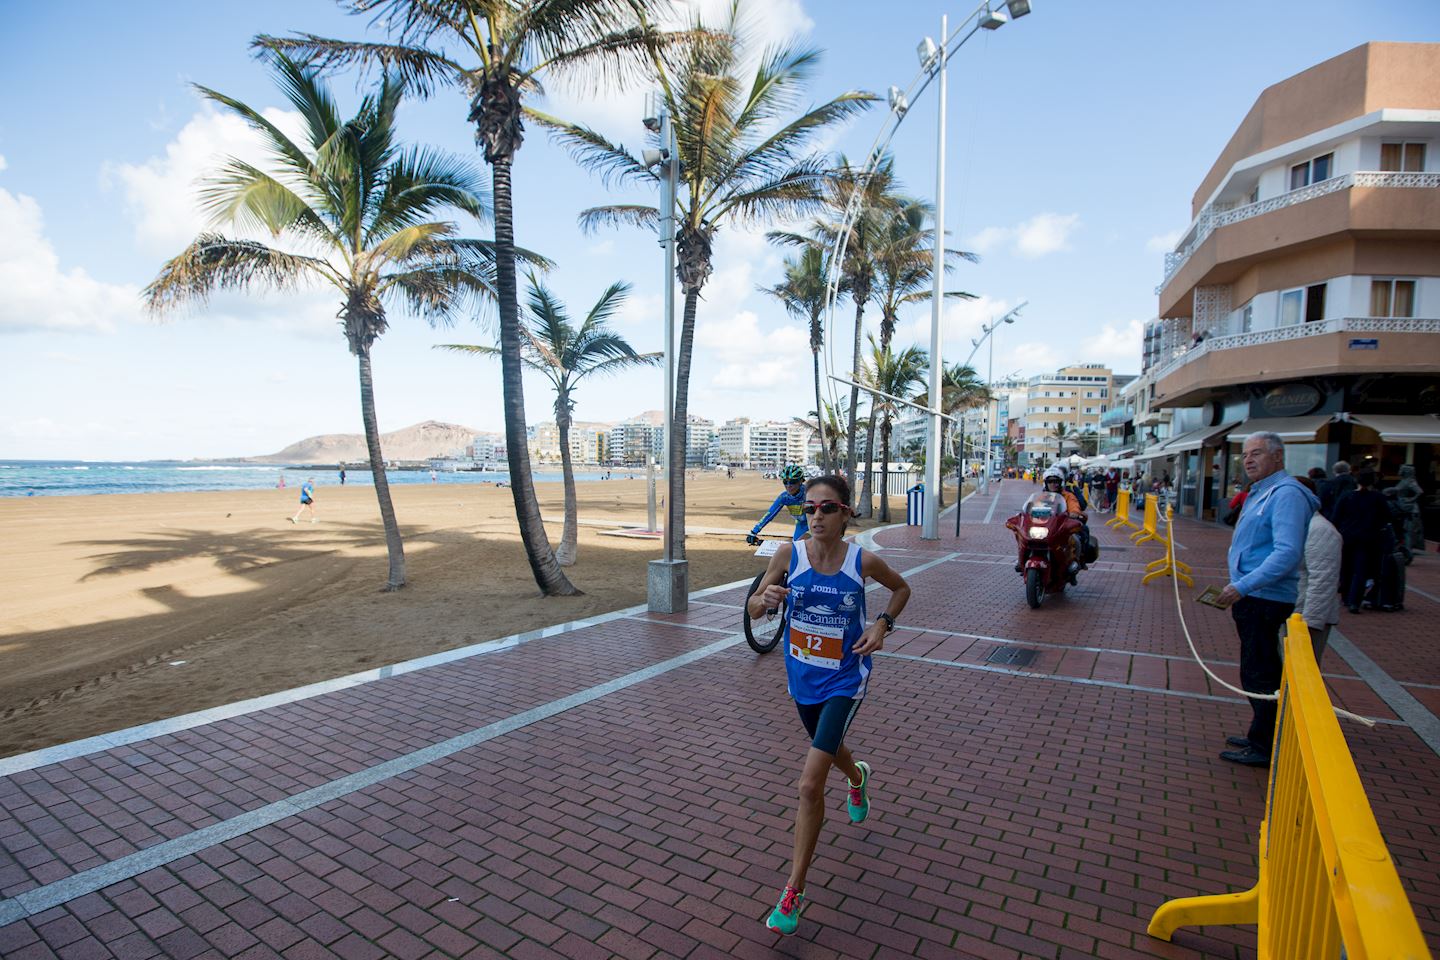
<point x="817" y="645"/>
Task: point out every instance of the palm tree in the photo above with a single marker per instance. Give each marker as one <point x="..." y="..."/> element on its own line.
<point x="904" y="262"/>
<point x="744" y="160"/>
<point x="598" y="44"/>
<point x="960" y="389"/>
<point x="831" y="430"/>
<point x="566" y="354"/>
<point x="803" y="294"/>
<point x="896" y="374"/>
<point x="878" y="201"/>
<point x="362" y="208"/>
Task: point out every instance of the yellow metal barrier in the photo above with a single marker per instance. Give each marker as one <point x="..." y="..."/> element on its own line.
<point x="1168" y="566"/>
<point x="1148" y="530"/>
<point x="1326" y="880"/>
<point x="1121" y="520"/>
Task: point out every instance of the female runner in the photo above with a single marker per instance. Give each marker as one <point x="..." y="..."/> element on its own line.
<point x="827" y="662"/>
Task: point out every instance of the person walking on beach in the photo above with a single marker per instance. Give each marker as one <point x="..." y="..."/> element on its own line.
<point x="342" y="474"/>
<point x="827" y="663"/>
<point x="307" y="501"/>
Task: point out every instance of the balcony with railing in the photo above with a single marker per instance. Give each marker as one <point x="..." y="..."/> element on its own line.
<point x="1214" y="216"/>
<point x="1340" y="346"/>
<point x="1117" y="417"/>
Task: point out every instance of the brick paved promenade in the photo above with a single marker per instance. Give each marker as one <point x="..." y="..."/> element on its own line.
<point x="626" y="787"/>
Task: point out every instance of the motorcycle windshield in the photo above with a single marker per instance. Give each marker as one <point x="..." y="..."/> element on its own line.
<point x="1043" y="506"/>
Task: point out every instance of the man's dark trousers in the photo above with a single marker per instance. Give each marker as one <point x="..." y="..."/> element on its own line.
<point x="1258" y="622"/>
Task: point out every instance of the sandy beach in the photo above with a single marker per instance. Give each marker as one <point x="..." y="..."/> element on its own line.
<point x="125" y="609"/>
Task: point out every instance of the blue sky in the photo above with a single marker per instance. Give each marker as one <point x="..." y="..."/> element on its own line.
<point x="1076" y="139"/>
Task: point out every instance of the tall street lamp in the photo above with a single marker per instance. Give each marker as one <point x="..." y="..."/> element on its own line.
<point x="933" y="60"/>
<point x="667" y="580"/>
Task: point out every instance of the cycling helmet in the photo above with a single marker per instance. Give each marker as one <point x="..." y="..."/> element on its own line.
<point x="1054" y="473"/>
<point x="794" y="473"/>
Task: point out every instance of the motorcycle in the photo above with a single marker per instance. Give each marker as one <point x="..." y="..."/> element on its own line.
<point x="1048" y="541"/>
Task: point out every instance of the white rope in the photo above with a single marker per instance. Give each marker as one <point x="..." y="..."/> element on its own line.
<point x="1180" y="609"/>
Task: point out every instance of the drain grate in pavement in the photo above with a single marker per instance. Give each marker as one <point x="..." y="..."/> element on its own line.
<point x="1012" y="656"/>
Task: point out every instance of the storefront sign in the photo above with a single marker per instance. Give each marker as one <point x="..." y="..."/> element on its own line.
<point x="1365" y="343"/>
<point x="1290" y="400"/>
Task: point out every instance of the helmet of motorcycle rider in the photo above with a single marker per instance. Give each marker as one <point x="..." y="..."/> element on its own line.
<point x="1056" y="474"/>
<point x="793" y="473"/>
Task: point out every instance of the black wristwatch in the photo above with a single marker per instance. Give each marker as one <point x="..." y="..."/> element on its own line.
<point x="889" y="620"/>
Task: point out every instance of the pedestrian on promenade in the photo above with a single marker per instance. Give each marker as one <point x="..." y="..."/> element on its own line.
<point x="1264" y="560"/>
<point x="1361" y="516"/>
<point x="307" y="501"/>
<point x="1333" y="489"/>
<point x="1318" y="597"/>
<point x="827" y="662"/>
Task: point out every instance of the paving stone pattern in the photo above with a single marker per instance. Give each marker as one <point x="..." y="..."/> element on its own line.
<point x="1036" y="811"/>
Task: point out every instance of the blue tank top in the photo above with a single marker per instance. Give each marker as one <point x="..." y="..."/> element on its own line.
<point x="825" y="618"/>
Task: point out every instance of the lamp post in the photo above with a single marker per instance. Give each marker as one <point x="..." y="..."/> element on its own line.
<point x="933" y="59"/>
<point x="667" y="586"/>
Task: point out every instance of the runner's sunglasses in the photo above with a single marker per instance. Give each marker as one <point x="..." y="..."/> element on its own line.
<point x="826" y="507"/>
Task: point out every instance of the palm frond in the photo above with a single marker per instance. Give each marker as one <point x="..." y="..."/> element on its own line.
<point x="421" y="69"/>
<point x="619" y="215"/>
<point x="250" y="198"/>
<point x="213" y="262"/>
<point x="439" y="291"/>
<point x="611" y="162"/>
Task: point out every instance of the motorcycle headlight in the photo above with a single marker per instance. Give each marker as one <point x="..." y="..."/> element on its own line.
<point x="1039" y="533"/>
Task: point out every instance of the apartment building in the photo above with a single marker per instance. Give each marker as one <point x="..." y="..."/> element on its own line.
<point x="733" y="440"/>
<point x="1304" y="298"/>
<point x="1063" y="411"/>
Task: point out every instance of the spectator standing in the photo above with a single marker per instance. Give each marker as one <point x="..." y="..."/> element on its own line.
<point x="1319" y="594"/>
<point x="1264" y="560"/>
<point x="1361" y="516"/>
<point x="1335" y="488"/>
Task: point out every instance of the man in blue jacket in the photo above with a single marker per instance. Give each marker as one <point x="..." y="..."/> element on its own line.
<point x="1264" y="559"/>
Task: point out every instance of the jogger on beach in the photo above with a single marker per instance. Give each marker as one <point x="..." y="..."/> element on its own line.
<point x="307" y="501"/>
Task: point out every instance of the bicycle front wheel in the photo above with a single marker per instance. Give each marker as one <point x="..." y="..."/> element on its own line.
<point x="762" y="634"/>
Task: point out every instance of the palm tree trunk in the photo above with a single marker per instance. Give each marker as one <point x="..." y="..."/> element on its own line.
<point x="854" y="395"/>
<point x="570" y="535"/>
<point x="675" y="504"/>
<point x="867" y="501"/>
<point x="393" y="545"/>
<point x="885" y="469"/>
<point x="548" y="575"/>
<point x="820" y="416"/>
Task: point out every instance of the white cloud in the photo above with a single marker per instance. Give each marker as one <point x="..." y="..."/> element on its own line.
<point x="1042" y="234"/>
<point x="162" y="193"/>
<point x="1163" y="242"/>
<point x="38" y="293"/>
<point x="1117" y="346"/>
<point x="960" y="322"/>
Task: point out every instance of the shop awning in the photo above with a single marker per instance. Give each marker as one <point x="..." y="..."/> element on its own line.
<point x="1400" y="428"/>
<point x="1154" y="453"/>
<point x="1196" y="439"/>
<point x="1291" y="429"/>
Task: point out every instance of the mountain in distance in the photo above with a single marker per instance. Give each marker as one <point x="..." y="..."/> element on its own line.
<point x="421" y="441"/>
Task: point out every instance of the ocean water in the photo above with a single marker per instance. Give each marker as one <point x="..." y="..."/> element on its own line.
<point x="48" y="478"/>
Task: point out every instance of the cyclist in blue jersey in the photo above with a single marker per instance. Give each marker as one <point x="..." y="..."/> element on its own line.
<point x="792" y="499"/>
<point x="827" y="664"/>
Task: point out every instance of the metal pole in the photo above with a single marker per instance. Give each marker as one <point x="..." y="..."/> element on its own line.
<point x="989" y="410"/>
<point x="667" y="234"/>
<point x="930" y="527"/>
<point x="959" y="493"/>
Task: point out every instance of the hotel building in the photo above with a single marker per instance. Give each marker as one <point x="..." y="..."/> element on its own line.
<point x="1304" y="297"/>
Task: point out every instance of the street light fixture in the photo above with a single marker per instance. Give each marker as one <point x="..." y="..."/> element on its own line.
<point x="984" y="16"/>
<point x="667" y="580"/>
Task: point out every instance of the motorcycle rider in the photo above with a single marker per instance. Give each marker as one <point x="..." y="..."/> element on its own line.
<point x="1075" y="507"/>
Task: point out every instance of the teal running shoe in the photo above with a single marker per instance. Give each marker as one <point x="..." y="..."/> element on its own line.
<point x="858" y="804"/>
<point x="785" y="918"/>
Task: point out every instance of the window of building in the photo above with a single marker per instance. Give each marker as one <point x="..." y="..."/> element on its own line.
<point x="1402" y="157"/>
<point x="1254" y="195"/>
<point x="1292" y="303"/>
<point x="1315" y="303"/>
<point x="1247" y="318"/>
<point x="1311" y="171"/>
<point x="1392" y="298"/>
